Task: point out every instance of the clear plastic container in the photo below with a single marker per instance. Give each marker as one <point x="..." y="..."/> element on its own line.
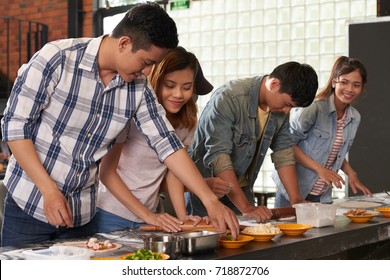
<point x="316" y="214"/>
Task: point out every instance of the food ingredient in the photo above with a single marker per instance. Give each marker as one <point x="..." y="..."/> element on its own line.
<point x="358" y="212"/>
<point x="267" y="228"/>
<point x="143" y="254"/>
<point x="96" y="245"/>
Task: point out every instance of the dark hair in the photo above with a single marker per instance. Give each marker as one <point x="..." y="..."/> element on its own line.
<point x="300" y="81"/>
<point x="343" y="65"/>
<point x="148" y="24"/>
<point x="177" y="59"/>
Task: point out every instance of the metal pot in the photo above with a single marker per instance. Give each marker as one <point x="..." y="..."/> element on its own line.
<point x="165" y="244"/>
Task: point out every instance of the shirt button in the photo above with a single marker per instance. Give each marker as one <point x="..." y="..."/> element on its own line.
<point x="98" y="115"/>
<point x="78" y="175"/>
<point x="89" y="135"/>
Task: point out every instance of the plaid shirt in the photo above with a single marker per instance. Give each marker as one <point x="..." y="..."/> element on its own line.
<point x="59" y="102"/>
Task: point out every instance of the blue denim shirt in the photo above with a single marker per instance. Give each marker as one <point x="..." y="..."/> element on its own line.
<point x="313" y="130"/>
<point x="229" y="125"/>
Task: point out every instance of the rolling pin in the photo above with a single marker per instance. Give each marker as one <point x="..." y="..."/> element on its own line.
<point x="277" y="213"/>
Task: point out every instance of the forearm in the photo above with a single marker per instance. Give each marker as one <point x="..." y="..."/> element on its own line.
<point x="26" y="155"/>
<point x="236" y="195"/>
<point x="175" y="190"/>
<point x="305" y="160"/>
<point x="186" y="171"/>
<point x="347" y="168"/>
<point x="120" y="191"/>
<point x="114" y="183"/>
<point x="288" y="176"/>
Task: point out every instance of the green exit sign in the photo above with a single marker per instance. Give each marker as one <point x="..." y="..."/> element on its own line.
<point x="180" y="5"/>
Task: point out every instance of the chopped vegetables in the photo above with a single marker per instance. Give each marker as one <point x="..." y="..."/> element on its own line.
<point x="143" y="254"/>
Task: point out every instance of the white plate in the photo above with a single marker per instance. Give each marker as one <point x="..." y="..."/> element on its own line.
<point x="359" y="204"/>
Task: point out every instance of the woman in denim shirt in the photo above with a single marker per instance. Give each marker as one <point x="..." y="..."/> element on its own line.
<point x="241" y="121"/>
<point x="324" y="133"/>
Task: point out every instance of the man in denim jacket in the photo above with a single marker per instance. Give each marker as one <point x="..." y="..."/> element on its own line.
<point x="241" y="121"/>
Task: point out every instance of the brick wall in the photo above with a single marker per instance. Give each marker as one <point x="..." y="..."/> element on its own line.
<point x="54" y="14"/>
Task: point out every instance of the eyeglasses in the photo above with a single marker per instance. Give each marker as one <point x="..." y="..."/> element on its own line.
<point x="346" y="83"/>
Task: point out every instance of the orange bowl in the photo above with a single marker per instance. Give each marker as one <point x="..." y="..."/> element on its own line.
<point x="238" y="243"/>
<point x="263" y="237"/>
<point x="362" y="218"/>
<point x="385" y="211"/>
<point x="294" y="229"/>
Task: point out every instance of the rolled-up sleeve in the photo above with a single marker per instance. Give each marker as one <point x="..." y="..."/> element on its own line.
<point x="221" y="163"/>
<point x="152" y="122"/>
<point x="283" y="158"/>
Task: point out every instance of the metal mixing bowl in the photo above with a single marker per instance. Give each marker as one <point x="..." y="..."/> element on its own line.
<point x="166" y="244"/>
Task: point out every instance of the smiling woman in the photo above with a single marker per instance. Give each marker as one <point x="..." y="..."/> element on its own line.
<point x="326" y="130"/>
<point x="175" y="82"/>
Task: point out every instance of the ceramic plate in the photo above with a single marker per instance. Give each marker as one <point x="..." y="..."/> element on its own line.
<point x="241" y="241"/>
<point x="362" y="218"/>
<point x="294" y="229"/>
<point x="385" y="211"/>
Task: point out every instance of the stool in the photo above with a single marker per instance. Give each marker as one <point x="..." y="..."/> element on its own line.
<point x="261" y="198"/>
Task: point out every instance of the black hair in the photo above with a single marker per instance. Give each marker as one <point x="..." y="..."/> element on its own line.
<point x="298" y="80"/>
<point x="343" y="65"/>
<point x="148" y="24"/>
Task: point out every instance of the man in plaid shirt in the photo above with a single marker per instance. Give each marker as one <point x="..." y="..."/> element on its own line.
<point x="67" y="106"/>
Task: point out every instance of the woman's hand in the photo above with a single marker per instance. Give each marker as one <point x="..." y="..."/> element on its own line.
<point x="330" y="177"/>
<point x="165" y="221"/>
<point x="355" y="184"/>
<point x="195" y="219"/>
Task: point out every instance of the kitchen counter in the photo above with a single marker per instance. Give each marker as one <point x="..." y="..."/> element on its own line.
<point x="344" y="240"/>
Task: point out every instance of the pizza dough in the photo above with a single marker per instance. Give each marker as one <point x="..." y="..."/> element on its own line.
<point x="359" y="204"/>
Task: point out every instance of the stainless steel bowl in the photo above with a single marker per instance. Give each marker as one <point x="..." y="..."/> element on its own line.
<point x="201" y="241"/>
<point x="166" y="244"/>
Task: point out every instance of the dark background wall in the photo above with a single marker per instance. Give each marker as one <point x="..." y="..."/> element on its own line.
<point x="370" y="153"/>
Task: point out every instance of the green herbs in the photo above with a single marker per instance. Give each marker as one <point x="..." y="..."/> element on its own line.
<point x="143" y="254"/>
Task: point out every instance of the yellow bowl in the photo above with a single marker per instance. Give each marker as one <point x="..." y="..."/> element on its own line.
<point x="361" y="219"/>
<point x="238" y="243"/>
<point x="385" y="211"/>
<point x="294" y="229"/>
<point x="163" y="256"/>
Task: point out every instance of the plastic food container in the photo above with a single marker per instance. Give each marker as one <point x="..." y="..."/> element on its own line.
<point x="316" y="214"/>
<point x="58" y="253"/>
<point x="201" y="241"/>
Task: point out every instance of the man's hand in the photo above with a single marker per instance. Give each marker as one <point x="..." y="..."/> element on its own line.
<point x="260" y="213"/>
<point x="222" y="217"/>
<point x="57" y="209"/>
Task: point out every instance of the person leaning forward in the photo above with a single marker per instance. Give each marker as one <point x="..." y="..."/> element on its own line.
<point x="240" y="122"/>
<point x="67" y="106"/>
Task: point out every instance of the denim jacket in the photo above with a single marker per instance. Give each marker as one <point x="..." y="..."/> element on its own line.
<point x="313" y="130"/>
<point x="229" y="125"/>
